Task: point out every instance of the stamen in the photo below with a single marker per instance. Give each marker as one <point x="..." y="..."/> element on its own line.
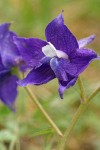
<point x="50" y="51"/>
<point x="61" y="54"/>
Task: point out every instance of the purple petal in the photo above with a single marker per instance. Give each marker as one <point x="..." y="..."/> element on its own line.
<point x="8" y="90"/>
<point x="4" y="29"/>
<point x="8" y="50"/>
<point x="31" y="50"/>
<point x="69" y="67"/>
<point x="62" y="67"/>
<point x="60" y="36"/>
<point x="1" y="65"/>
<point x="3" y="70"/>
<point x="81" y="59"/>
<point x="65" y="85"/>
<point x="85" y="41"/>
<point x="38" y="76"/>
<point x="58" y="69"/>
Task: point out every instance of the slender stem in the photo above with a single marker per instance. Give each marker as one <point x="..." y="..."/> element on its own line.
<point x="82" y="91"/>
<point x="12" y="144"/>
<point x="39" y="106"/>
<point x="93" y="95"/>
<point x="71" y="126"/>
<point x="79" y="112"/>
<point x="18" y="144"/>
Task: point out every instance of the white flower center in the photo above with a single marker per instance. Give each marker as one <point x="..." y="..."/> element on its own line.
<point x="50" y="51"/>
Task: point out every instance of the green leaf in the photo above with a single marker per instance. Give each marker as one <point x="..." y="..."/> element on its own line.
<point x="41" y="132"/>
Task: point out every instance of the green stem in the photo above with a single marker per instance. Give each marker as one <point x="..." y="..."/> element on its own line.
<point x="12" y="144"/>
<point x="18" y="144"/>
<point x="79" y="112"/>
<point x="39" y="106"/>
<point x="93" y="95"/>
<point x="82" y="91"/>
<point x="72" y="124"/>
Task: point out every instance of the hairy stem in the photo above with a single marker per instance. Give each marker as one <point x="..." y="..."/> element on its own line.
<point x="79" y="112"/>
<point x="12" y="144"/>
<point x="45" y="114"/>
<point x="71" y="126"/>
<point x="82" y="91"/>
<point x="93" y="95"/>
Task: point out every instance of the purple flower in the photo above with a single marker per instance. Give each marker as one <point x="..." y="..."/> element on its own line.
<point x="9" y="57"/>
<point x="62" y="56"/>
<point x="8" y="86"/>
<point x="9" y="53"/>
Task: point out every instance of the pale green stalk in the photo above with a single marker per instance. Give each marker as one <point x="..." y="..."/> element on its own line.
<point x="41" y="109"/>
<point x="45" y="114"/>
<point x="93" y="95"/>
<point x="18" y="144"/>
<point x="12" y="144"/>
<point x="79" y="112"/>
<point x="82" y="91"/>
<point x="71" y="126"/>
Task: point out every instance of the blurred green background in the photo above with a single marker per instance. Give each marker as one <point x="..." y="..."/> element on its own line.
<point x="27" y="129"/>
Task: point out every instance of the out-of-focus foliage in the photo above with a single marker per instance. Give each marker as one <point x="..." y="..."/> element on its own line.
<point x="27" y="129"/>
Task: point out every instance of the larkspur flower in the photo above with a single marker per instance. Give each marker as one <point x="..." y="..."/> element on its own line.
<point x="9" y="53"/>
<point x="9" y="58"/>
<point x="8" y="86"/>
<point x="62" y="56"/>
